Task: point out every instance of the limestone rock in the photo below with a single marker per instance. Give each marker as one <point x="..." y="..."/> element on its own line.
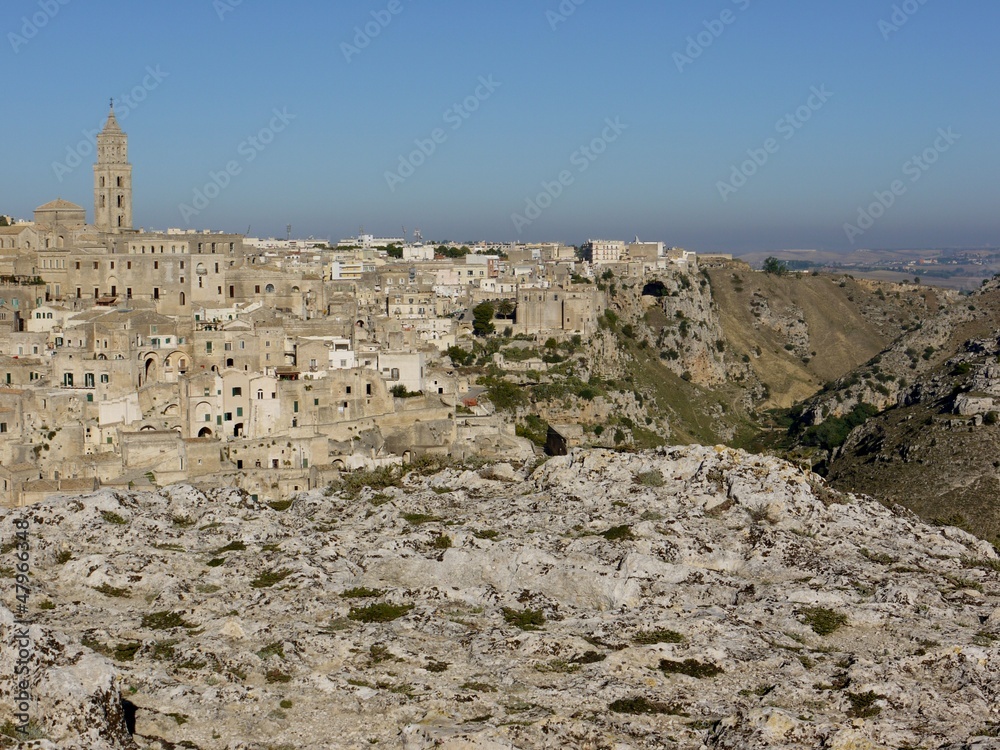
<point x="694" y="597"/>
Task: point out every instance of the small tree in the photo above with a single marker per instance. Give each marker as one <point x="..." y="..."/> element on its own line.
<point x="483" y="314"/>
<point x="505" y="309"/>
<point x="460" y="357"/>
<point x="394" y="252"/>
<point x="776" y="267"/>
<point x="4" y="222"/>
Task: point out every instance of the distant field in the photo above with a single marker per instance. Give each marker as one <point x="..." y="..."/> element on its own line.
<point x="967" y="274"/>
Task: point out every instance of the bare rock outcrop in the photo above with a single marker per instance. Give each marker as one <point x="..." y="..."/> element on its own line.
<point x="691" y="598"/>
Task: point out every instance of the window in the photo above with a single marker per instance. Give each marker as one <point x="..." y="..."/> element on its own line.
<point x="295" y="407"/>
<point x="96" y="265"/>
<point x="368" y="389"/>
<point x="3" y="427"/>
<point x="229" y="416"/>
<point x="260" y="395"/>
<point x="256" y="289"/>
<point x="156" y="264"/>
<point x="348" y="390"/>
<point x="208" y="417"/>
<point x="315" y="402"/>
<point x="208" y="347"/>
<point x="105" y="378"/>
<point x="237" y="391"/>
<point x="239" y="411"/>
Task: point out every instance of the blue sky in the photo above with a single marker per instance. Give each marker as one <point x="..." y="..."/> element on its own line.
<point x="350" y="157"/>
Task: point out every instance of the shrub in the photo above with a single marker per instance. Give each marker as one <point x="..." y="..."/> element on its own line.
<point x="442" y="542"/>
<point x="269" y="578"/>
<point x="281" y="505"/>
<point x="823" y="621"/>
<point x="652" y="637"/>
<point x="354" y="483"/>
<point x="589" y="657"/>
<point x="381" y="612"/>
<point x="416" y="519"/>
<point x="863" y="704"/>
<point x="166" y="620"/>
<point x="652" y="478"/>
<point x="640" y="705"/>
<point x="690" y="667"/>
<point x="231" y="547"/>
<point x="525" y="619"/>
<point x="619" y="534"/>
<point x="110" y="517"/>
<point x="273" y="649"/>
<point x="991" y="417"/>
<point x="109" y="590"/>
<point x="362" y="593"/>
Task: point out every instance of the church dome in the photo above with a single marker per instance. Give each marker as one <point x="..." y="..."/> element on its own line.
<point x="60" y="212"/>
<point x="59" y="205"/>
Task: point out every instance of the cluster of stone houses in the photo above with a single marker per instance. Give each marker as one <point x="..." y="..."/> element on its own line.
<point x="131" y="358"/>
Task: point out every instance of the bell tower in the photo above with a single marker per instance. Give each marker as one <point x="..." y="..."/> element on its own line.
<point x="112" y="179"/>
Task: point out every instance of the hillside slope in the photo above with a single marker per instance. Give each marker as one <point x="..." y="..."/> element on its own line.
<point x="937" y="452"/>
<point x="801" y="331"/>
<point x="922" y="349"/>
<point x="689" y="598"/>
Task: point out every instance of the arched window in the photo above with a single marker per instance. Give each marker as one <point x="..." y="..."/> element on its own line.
<point x="269" y="289"/>
<point x="121" y="182"/>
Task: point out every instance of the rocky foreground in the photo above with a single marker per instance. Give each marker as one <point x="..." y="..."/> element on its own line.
<point x="692" y="598"/>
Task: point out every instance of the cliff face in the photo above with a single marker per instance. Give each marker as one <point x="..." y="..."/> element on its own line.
<point x="693" y="597"/>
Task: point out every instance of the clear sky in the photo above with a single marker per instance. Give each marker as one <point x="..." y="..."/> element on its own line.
<point x="693" y="90"/>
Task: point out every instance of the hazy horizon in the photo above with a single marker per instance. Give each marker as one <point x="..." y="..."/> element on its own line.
<point x="732" y="126"/>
